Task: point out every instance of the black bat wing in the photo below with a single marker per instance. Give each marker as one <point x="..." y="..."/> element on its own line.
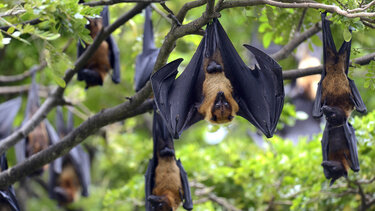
<point x="60" y="123"/>
<point x="357" y="99"/>
<point x="146" y="60"/>
<point x="8" y="110"/>
<point x="352" y="144"/>
<point x="149" y="182"/>
<point x="259" y="92"/>
<point x="81" y="162"/>
<point x="325" y="143"/>
<point x="328" y="44"/>
<point x="187" y="200"/>
<point x="9" y="197"/>
<point x="178" y="99"/>
<point x="114" y="52"/>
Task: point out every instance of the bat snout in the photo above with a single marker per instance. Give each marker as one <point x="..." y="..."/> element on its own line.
<point x="159" y="203"/>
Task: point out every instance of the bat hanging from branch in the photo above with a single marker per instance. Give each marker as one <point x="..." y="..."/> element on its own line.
<point x="43" y="134"/>
<point x="106" y="57"/>
<point x="8" y="110"/>
<point x="146" y="60"/>
<point x="69" y="175"/>
<point x="217" y="85"/>
<point x="336" y="98"/>
<point x="166" y="180"/>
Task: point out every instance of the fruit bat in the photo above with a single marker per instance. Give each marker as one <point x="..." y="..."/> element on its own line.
<point x="217" y="84"/>
<point x="107" y="56"/>
<point x="335" y="88"/>
<point x="146" y="60"/>
<point x="166" y="180"/>
<point x="69" y="175"/>
<point x="43" y="134"/>
<point x="8" y="110"/>
<point x="339" y="145"/>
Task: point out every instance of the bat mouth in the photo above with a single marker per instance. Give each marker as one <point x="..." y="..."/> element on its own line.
<point x="166" y="152"/>
<point x="158" y="202"/>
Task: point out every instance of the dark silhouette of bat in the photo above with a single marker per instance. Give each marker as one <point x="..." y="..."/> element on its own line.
<point x="339" y="145"/>
<point x="70" y="174"/>
<point x="166" y="180"/>
<point x="8" y="110"/>
<point x="146" y="60"/>
<point x="43" y="134"/>
<point x="106" y="57"/>
<point x="217" y="84"/>
<point x="335" y="87"/>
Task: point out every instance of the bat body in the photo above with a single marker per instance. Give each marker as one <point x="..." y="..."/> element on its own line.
<point x="166" y="180"/>
<point x="106" y="57"/>
<point x="217" y="85"/>
<point x="43" y="134"/>
<point x="339" y="145"/>
<point x="8" y="110"/>
<point x="146" y="60"/>
<point x="335" y="88"/>
<point x="70" y="174"/>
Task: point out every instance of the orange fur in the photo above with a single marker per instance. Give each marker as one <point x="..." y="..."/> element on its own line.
<point x="212" y="85"/>
<point x="68" y="180"/>
<point x="335" y="86"/>
<point x="38" y="139"/>
<point x="168" y="181"/>
<point x="309" y="83"/>
<point x="100" y="60"/>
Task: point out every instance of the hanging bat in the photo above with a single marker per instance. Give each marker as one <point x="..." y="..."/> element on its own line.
<point x="8" y="110"/>
<point x="166" y="180"/>
<point x="146" y="60"/>
<point x="106" y="57"/>
<point x="69" y="175"/>
<point x="42" y="135"/>
<point x="339" y="145"/>
<point x="335" y="87"/>
<point x="216" y="85"/>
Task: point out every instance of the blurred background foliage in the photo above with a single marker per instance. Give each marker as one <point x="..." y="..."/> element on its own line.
<point x="224" y="161"/>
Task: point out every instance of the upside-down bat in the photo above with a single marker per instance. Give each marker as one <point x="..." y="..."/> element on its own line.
<point x="166" y="182"/>
<point x="146" y="60"/>
<point x="216" y="85"/>
<point x="104" y="58"/>
<point x="8" y="110"/>
<point x="42" y="135"/>
<point x="336" y="98"/>
<point x="335" y="87"/>
<point x="69" y="175"/>
<point x="339" y="145"/>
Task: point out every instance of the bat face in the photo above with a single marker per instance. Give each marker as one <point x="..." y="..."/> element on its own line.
<point x="334" y="116"/>
<point x="68" y="186"/>
<point x="95" y="25"/>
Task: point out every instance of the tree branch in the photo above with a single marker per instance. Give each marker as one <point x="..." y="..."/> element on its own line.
<point x="107" y="116"/>
<point x="362" y="8"/>
<point x="188" y="6"/>
<point x="294" y="43"/>
<point x="111" y="2"/>
<point x="313" y="5"/>
<point x="295" y="73"/>
<point x="20" y="77"/>
<point x="6" y="90"/>
<point x="55" y="98"/>
<point x="31" y="22"/>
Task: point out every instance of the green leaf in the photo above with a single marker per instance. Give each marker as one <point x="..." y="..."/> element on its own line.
<point x="58" y="80"/>
<point x="267" y="39"/>
<point x="347" y="35"/>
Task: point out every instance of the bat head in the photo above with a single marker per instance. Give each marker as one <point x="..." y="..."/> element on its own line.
<point x="69" y="188"/>
<point x="221" y="109"/>
<point x="334" y="115"/>
<point x="159" y="203"/>
<point x="334" y="170"/>
<point x="4" y="206"/>
<point x="91" y="77"/>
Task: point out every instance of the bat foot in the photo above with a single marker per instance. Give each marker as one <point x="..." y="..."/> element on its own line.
<point x="166" y="152"/>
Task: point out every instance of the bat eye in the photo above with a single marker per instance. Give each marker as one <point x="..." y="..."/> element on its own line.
<point x="160" y="204"/>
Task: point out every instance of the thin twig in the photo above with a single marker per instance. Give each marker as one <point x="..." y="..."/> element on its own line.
<point x="24" y="75"/>
<point x="111" y="2"/>
<point x="362" y="8"/>
<point x="31" y="22"/>
<point x="161" y="13"/>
